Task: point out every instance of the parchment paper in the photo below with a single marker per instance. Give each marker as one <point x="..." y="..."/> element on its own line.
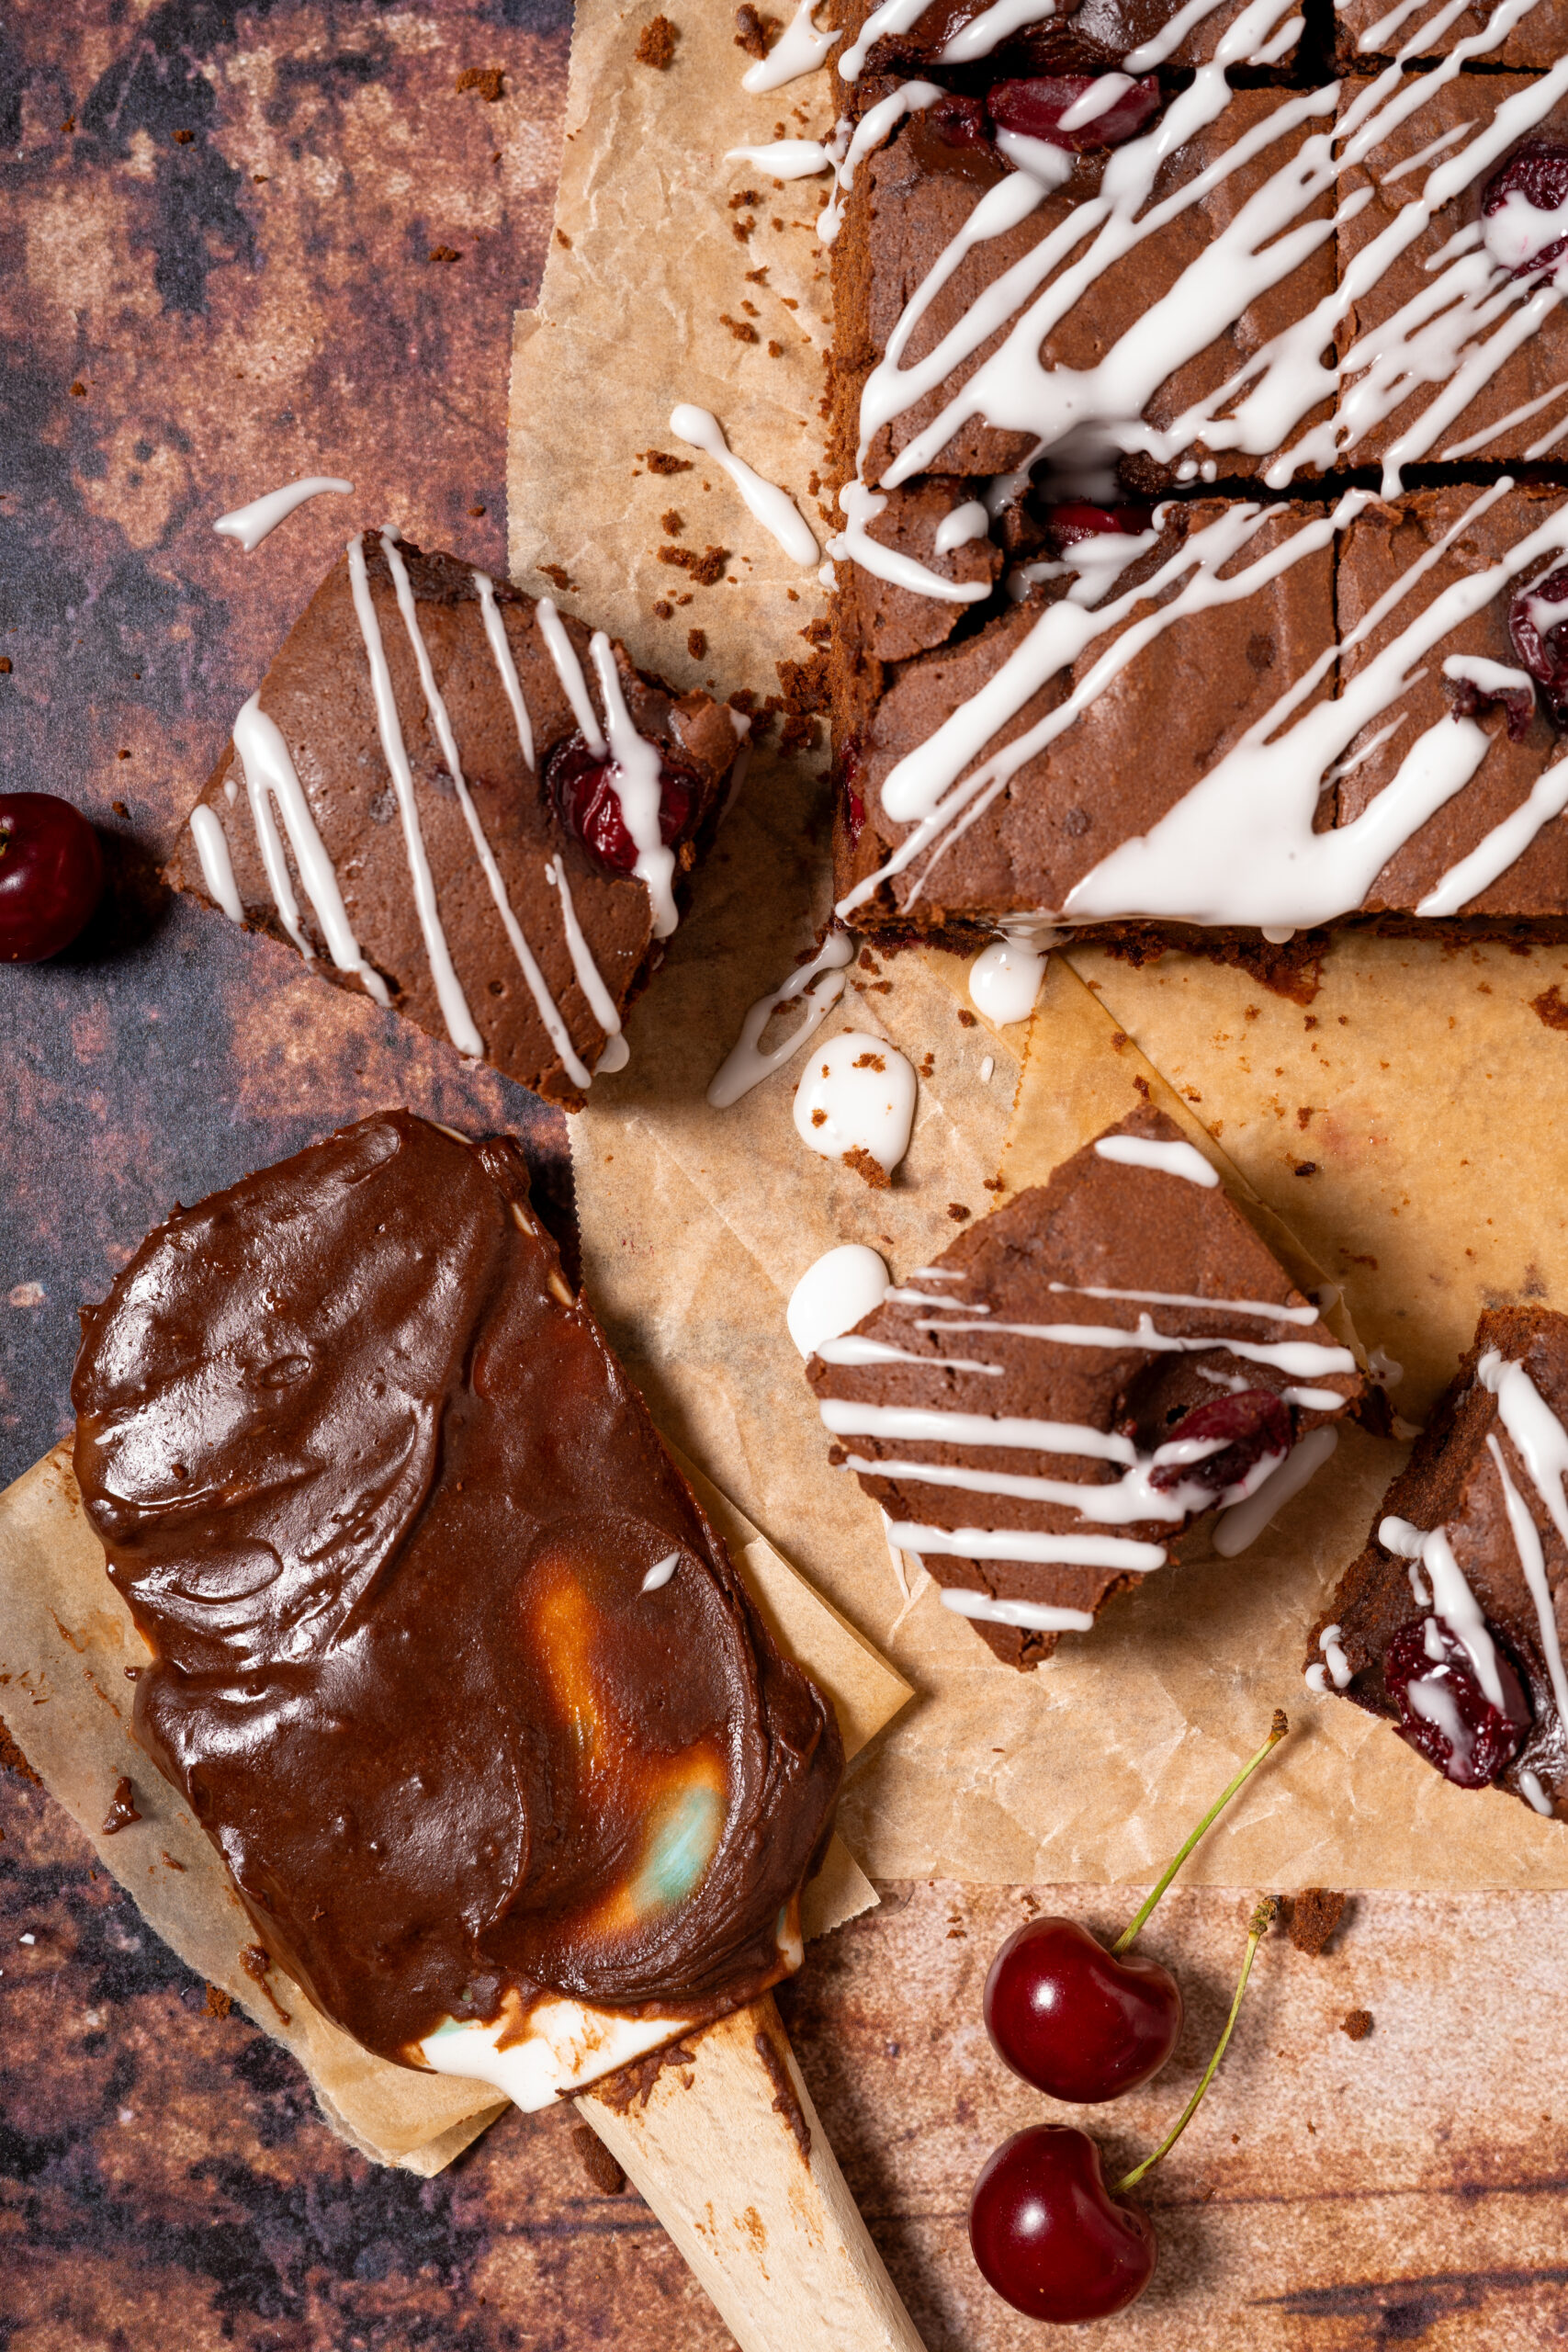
<point x="65" y="1640"/>
<point x="696" y="1224"/>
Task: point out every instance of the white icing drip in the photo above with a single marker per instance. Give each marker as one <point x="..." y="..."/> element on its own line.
<point x="798" y="50"/>
<point x="878" y="123"/>
<point x="1451" y="1595"/>
<point x="1238" y="1528"/>
<point x="1338" y="1665"/>
<point x="589" y="979"/>
<point x="1507" y="841"/>
<point x="856" y="545"/>
<point x="500" y="654"/>
<point x="996" y="24"/>
<point x="1025" y="1543"/>
<point x="1004" y="981"/>
<point x="544" y="1005"/>
<point x="746" y="1066"/>
<point x="1169" y="40"/>
<point x="1032" y="1616"/>
<point x="569" y="670"/>
<point x="987" y="1067"/>
<point x="776" y="512"/>
<point x="841" y="1106"/>
<point x="1170" y="1159"/>
<point x="1316" y="1679"/>
<point x="1542" y="1443"/>
<point x="1489" y="677"/>
<point x="217" y="867"/>
<point x="1127" y="1501"/>
<point x="957" y="528"/>
<point x="270" y="776"/>
<point x="660" y="1573"/>
<point x="1256" y="1307"/>
<point x="1519" y="230"/>
<point x="889" y="17"/>
<point x="1302" y="1358"/>
<point x="251" y="524"/>
<point x="636" y="780"/>
<point x="1418" y="1588"/>
<point x="448" y="988"/>
<point x="835" y="1294"/>
<point x="1101" y="94"/>
<point x="615" y="1056"/>
<point x="784" y="159"/>
<point x="937" y="1426"/>
<point x="854" y="1350"/>
<point x="925" y="1298"/>
<point x="1534" y="1793"/>
<point x="1312" y="1400"/>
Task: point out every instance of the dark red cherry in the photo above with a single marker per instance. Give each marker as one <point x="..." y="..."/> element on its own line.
<point x="1077" y="519"/>
<point x="1443" y="1711"/>
<point x="1541" y="643"/>
<point x="582" y="785"/>
<point x="1035" y="107"/>
<point x="1246" y="1425"/>
<point x="1049" y="2235"/>
<point x="1538" y="172"/>
<point x="51" y="874"/>
<point x="1467" y="701"/>
<point x="1075" y="2020"/>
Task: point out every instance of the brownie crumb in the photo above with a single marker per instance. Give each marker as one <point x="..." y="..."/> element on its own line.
<point x="596" y="2161"/>
<point x="1312" y="1917"/>
<point x="754" y="33"/>
<point x="184" y="138"/>
<point x="563" y="239"/>
<point x="255" y="1960"/>
<point x="696" y="643"/>
<point x="820" y="1118"/>
<point x="476" y="510"/>
<point x="560" y="576"/>
<point x="659" y="461"/>
<point x="218" y="2003"/>
<point x="707" y="568"/>
<point x="12" y="1760"/>
<point x="869" y="1061"/>
<point x="1356" y="2024"/>
<point x="741" y="329"/>
<point x="775" y="351"/>
<point x="927" y="1067"/>
<point x="958" y="1213"/>
<point x="78" y="391"/>
<point x="743" y="700"/>
<point x="743" y="198"/>
<point x="1548" y="1007"/>
<point x="967" y="1020"/>
<point x="4" y="665"/>
<point x="837" y="1456"/>
<point x="487" y="80"/>
<point x="656" y="44"/>
<point x="672" y="522"/>
<point x="1307" y="1168"/>
<point x="866" y="1164"/>
<point x="122" y="1808"/>
<point x="173" y="1864"/>
<point x="663" y="610"/>
<point x="443" y="253"/>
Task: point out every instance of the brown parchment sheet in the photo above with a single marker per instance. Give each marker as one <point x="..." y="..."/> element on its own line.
<point x="696" y="1224"/>
<point x="65" y="1641"/>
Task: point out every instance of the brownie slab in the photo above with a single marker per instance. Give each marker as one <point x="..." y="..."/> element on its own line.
<point x="1371" y="29"/>
<point x="432" y="800"/>
<point x="1118" y="1335"/>
<point x="1450" y="1622"/>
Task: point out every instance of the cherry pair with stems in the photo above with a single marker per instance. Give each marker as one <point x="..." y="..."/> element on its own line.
<point x="1084" y="2023"/>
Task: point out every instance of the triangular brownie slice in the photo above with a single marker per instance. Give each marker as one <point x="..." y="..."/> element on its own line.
<point x="1080" y="1376"/>
<point x="466" y="804"/>
<point x="1450" y="1621"/>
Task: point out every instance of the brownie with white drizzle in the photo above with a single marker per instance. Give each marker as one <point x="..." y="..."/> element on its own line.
<point x="1450" y="1622"/>
<point x="466" y="804"/>
<point x="1078" y="1378"/>
<point x="1059" y="37"/>
<point x="1372" y="29"/>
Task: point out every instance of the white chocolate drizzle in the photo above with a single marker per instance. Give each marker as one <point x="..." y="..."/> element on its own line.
<point x="454" y="1004"/>
<point x="798" y="50"/>
<point x="1168" y="1159"/>
<point x="1542" y="1445"/>
<point x="1031" y="1616"/>
<point x="960" y="525"/>
<point x="1241" y="1526"/>
<point x="569" y="670"/>
<point x="217" y="866"/>
<point x="878" y="123"/>
<point x="784" y="159"/>
<point x="857" y="1094"/>
<point x="772" y="507"/>
<point x="822" y="982"/>
<point x="500" y="654"/>
<point x="1451" y="1595"/>
<point x="1259" y="1308"/>
<point x="270" y="776"/>
<point x="635" y="778"/>
<point x="251" y="524"/>
<point x="589" y="979"/>
<point x="862" y="507"/>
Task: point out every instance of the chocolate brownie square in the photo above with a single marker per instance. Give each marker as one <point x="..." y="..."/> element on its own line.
<point x="1450" y="1622"/>
<point x="1080" y="1376"/>
<point x="466" y="804"/>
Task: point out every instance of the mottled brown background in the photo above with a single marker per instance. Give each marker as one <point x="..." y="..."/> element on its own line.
<point x="250" y="302"/>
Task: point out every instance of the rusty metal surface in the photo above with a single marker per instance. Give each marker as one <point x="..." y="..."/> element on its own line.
<point x="240" y="306"/>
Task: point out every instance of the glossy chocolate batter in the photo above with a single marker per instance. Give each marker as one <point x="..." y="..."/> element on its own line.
<point x="385" y="1507"/>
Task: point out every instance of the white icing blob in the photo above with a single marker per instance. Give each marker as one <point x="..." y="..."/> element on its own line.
<point x="251" y="524"/>
<point x="964" y="524"/>
<point x="217" y="867"/>
<point x="1169" y="1158"/>
<point x="834" y="1294"/>
<point x="1245" y="1523"/>
<point x="784" y="159"/>
<point x="660" y="1573"/>
<point x="1004" y="981"/>
<point x="777" y="513"/>
<point x="1034" y="1616"/>
<point x="798" y="50"/>
<point x="857" y="1094"/>
<point x="615" y="1056"/>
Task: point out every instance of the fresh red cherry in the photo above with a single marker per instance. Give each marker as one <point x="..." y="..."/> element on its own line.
<point x="582" y="784"/>
<point x="1077" y="519"/>
<point x="51" y="874"/>
<point x="1538" y="172"/>
<point x="1049" y="2235"/>
<point x="1443" y="1711"/>
<point x="1075" y="2020"/>
<point x="1541" y="643"/>
<point x="1244" y="1428"/>
<point x="1036" y="105"/>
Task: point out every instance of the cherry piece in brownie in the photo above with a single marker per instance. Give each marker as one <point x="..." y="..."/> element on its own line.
<point x="460" y="801"/>
<point x="1450" y="1622"/>
<point x="1079" y="1377"/>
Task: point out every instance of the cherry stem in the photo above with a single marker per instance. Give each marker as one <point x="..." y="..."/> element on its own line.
<point x="1257" y="1928"/>
<point x="1276" y="1734"/>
